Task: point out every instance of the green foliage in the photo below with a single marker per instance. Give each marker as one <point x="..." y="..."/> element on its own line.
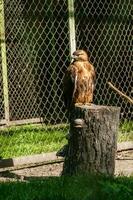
<point x="84" y="187"/>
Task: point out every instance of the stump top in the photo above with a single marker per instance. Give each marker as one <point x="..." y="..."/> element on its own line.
<point x="97" y="107"/>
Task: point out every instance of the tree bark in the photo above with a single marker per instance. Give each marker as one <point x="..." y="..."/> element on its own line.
<point x="92" y="142"/>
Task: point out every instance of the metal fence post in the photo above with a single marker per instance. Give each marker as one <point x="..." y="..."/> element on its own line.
<point x="71" y="26"/>
<point x="4" y="62"/>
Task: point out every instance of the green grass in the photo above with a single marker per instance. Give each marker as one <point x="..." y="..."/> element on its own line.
<point x="69" y="188"/>
<point x="125" y="131"/>
<point x="31" y="139"/>
<point x="27" y="140"/>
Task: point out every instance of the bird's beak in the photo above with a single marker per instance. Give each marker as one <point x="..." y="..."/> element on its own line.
<point x="74" y="57"/>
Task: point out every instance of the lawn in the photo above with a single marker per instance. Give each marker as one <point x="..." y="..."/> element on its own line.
<point x="83" y="187"/>
<point x="125" y="131"/>
<point x="33" y="139"/>
<point x="30" y="139"/>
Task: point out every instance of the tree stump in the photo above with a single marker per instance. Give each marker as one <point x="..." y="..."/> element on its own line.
<point x="92" y="141"/>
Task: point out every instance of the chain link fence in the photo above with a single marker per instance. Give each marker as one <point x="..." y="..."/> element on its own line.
<point x="37" y="45"/>
<point x="37" y="37"/>
<point x="104" y="29"/>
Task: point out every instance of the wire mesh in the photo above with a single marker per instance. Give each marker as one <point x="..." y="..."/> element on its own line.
<point x="38" y="53"/>
<point x="37" y="45"/>
<point x="104" y="29"/>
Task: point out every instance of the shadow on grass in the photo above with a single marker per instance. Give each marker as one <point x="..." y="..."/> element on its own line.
<point x="82" y="187"/>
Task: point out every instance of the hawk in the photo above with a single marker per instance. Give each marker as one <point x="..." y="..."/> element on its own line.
<point x="79" y="81"/>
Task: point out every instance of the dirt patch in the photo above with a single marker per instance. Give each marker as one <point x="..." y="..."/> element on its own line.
<point x="33" y="172"/>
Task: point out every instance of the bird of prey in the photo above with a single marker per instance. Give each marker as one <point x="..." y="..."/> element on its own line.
<point x="79" y="81"/>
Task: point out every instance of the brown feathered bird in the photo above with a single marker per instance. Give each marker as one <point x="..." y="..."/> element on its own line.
<point x="79" y="80"/>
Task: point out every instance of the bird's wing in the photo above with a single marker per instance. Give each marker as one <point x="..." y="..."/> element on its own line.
<point x="69" y="85"/>
<point x="93" y="77"/>
<point x="92" y="73"/>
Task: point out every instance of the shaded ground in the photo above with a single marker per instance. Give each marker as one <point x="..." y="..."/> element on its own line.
<point x="33" y="172"/>
<point x="124" y="167"/>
